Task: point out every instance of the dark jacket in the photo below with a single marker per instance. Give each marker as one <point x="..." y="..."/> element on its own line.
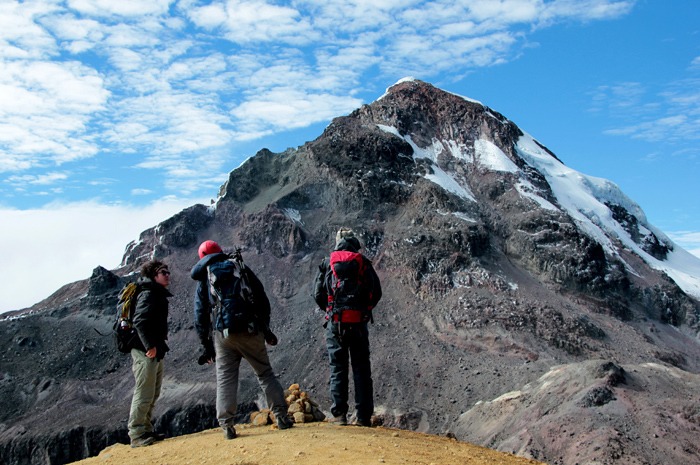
<point x="204" y="302"/>
<point x="151" y="317"/>
<point x="355" y="312"/>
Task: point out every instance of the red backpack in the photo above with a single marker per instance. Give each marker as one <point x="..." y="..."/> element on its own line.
<point x="348" y="296"/>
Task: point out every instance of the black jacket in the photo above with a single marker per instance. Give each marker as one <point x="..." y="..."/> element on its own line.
<point x="151" y="317"/>
<point x="204" y="302"/>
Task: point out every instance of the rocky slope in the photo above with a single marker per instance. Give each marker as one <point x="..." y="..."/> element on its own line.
<point x="491" y="277"/>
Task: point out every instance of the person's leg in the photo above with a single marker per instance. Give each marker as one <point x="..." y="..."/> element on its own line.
<point x="228" y="361"/>
<point x="338" y="358"/>
<point x="158" y="383"/>
<point x="145" y="374"/>
<point x="362" y="373"/>
<point x="253" y="349"/>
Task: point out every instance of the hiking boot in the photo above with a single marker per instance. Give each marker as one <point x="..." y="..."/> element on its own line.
<point x="154" y="435"/>
<point x="341" y="420"/>
<point x="143" y="441"/>
<point x="366" y="423"/>
<point x="284" y="422"/>
<point x="229" y="432"/>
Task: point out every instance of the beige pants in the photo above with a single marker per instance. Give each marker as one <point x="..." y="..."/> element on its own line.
<point x="229" y="353"/>
<point x="148" y="374"/>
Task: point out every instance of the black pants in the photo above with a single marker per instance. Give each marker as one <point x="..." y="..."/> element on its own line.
<point x="348" y="343"/>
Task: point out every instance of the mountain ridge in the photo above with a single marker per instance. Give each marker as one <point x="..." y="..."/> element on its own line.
<point x="488" y="281"/>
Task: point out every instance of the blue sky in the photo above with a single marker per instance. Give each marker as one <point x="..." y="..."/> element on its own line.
<point x="116" y="114"/>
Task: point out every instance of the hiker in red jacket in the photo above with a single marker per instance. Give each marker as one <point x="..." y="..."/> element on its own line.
<point x="347" y="288"/>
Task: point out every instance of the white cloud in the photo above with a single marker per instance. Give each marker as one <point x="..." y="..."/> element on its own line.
<point x="169" y="123"/>
<point x="42" y="179"/>
<point x="108" y="8"/>
<point x="584" y="10"/>
<point x="246" y="21"/>
<point x="20" y="35"/>
<point x="183" y="80"/>
<point x="42" y="249"/>
<point x="508" y="11"/>
<point x="44" y="109"/>
<point x="70" y="29"/>
<point x="671" y="113"/>
<point x="689" y="240"/>
<point x="289" y="108"/>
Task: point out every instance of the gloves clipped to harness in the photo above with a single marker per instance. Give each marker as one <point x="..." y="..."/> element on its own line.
<point x="208" y="353"/>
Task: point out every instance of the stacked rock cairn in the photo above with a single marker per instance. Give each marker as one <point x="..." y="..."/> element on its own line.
<point x="300" y="407"/>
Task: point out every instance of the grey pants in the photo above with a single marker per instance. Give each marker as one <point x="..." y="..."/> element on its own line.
<point x="148" y="374"/>
<point x="229" y="352"/>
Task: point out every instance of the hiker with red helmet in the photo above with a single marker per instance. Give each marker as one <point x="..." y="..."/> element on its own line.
<point x="347" y="288"/>
<point x="232" y="318"/>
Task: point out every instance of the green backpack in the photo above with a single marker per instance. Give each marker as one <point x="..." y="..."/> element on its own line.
<point x="124" y="331"/>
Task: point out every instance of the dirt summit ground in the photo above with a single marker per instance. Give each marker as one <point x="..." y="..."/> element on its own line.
<point x="307" y="444"/>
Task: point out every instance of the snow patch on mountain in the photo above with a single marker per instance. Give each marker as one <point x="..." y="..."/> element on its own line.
<point x="491" y="157"/>
<point x="585" y="198"/>
<point x="438" y="176"/>
<point x="526" y="189"/>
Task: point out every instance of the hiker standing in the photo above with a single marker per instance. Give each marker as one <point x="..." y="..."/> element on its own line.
<point x="233" y="326"/>
<point x="347" y="288"/>
<point x="150" y="320"/>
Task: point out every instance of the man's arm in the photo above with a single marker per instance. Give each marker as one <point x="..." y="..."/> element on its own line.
<point x="373" y="285"/>
<point x="202" y="310"/>
<point x="320" y="293"/>
<point x="143" y="319"/>
<point x="202" y="322"/>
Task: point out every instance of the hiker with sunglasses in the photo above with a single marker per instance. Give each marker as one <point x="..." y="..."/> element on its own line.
<point x="150" y="320"/>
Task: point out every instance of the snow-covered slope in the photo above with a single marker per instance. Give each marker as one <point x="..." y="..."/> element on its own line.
<point x="588" y="200"/>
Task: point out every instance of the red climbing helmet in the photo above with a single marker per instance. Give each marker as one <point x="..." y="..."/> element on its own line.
<point x="209" y="247"/>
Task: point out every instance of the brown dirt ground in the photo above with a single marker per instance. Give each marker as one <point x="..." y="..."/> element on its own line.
<point x="307" y="444"/>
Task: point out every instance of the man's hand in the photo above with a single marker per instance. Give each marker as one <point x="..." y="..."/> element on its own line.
<point x="208" y="354"/>
<point x="151" y="353"/>
<point x="270" y="337"/>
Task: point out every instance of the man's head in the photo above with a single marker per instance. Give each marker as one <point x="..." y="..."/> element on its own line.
<point x="157" y="271"/>
<point x="347" y="236"/>
<point x="208" y="248"/>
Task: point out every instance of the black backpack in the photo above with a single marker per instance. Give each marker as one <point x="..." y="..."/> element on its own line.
<point x="124" y="331"/>
<point x="234" y="302"/>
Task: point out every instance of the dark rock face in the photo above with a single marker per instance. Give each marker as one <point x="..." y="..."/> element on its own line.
<point x="484" y="293"/>
<point x="180" y="231"/>
<point x="648" y="241"/>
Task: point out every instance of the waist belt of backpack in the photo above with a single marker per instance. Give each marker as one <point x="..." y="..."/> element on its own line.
<point x="333" y="312"/>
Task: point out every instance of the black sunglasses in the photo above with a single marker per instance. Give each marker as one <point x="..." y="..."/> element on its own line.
<point x="164" y="272"/>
